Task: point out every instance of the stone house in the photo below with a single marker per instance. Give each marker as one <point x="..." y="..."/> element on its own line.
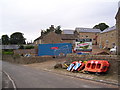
<point x="108" y="38"/>
<point x="118" y="28"/>
<point x="89" y="33"/>
<point x="52" y="37"/>
<point x="37" y="41"/>
<point x="68" y="38"/>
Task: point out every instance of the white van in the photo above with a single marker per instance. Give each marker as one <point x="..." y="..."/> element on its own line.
<point x="113" y="49"/>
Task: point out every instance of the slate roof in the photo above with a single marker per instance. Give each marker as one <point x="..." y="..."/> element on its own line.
<point x="38" y="38"/>
<point x="109" y="29"/>
<point x="88" y="30"/>
<point x="68" y="31"/>
<point x="68" y="36"/>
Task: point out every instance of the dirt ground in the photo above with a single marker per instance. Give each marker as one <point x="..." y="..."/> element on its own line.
<point x="49" y="66"/>
<point x="96" y="49"/>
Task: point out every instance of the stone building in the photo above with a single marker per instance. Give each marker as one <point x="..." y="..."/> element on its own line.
<point x="37" y="41"/>
<point x="68" y="38"/>
<point x="85" y="33"/>
<point x="118" y="28"/>
<point x="52" y="37"/>
<point x="108" y="38"/>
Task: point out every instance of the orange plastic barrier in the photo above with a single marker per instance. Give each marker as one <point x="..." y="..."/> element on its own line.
<point x="97" y="66"/>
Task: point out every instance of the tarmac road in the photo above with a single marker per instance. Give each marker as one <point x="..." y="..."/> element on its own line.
<point x="28" y="77"/>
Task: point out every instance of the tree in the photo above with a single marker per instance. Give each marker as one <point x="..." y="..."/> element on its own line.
<point x="5" y="40"/>
<point x="51" y="28"/>
<point x="58" y="30"/>
<point x="17" y="38"/>
<point x="101" y="26"/>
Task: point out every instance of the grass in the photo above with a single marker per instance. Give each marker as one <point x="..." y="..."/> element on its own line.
<point x="9" y="52"/>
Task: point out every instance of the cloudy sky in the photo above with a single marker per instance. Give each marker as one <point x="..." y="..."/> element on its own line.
<point x="30" y="16"/>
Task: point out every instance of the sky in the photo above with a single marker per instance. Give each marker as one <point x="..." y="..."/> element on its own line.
<point x="31" y="16"/>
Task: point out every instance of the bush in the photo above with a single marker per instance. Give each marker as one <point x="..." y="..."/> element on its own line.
<point x="7" y="52"/>
<point x="26" y="47"/>
<point x="29" y="47"/>
<point x="21" y="47"/>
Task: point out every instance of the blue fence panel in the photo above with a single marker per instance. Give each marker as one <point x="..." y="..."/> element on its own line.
<point x="54" y="49"/>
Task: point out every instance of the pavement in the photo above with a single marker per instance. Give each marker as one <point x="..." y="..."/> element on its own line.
<point x="26" y="76"/>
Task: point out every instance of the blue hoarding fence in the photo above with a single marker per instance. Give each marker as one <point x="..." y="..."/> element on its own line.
<point x="54" y="49"/>
<point x="62" y="51"/>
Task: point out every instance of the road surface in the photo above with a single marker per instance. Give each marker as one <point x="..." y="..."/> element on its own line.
<point x="28" y="77"/>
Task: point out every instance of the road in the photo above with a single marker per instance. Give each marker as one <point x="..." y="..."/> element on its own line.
<point x="28" y="77"/>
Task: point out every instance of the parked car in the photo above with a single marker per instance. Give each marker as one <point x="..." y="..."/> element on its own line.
<point x="114" y="50"/>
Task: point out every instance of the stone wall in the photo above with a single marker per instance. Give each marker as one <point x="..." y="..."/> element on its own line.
<point x="26" y="51"/>
<point x="25" y="60"/>
<point x="112" y="59"/>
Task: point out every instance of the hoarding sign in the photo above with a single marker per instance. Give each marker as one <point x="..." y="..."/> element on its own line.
<point x="83" y="45"/>
<point x="54" y="49"/>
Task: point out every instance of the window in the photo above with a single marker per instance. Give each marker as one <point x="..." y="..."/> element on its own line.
<point x="107" y="41"/>
<point x="113" y="45"/>
<point x="112" y="34"/>
<point x="82" y="36"/>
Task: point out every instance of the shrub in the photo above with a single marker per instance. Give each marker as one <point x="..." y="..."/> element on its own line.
<point x="26" y="47"/>
<point x="7" y="52"/>
<point x="29" y="47"/>
<point x="21" y="47"/>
